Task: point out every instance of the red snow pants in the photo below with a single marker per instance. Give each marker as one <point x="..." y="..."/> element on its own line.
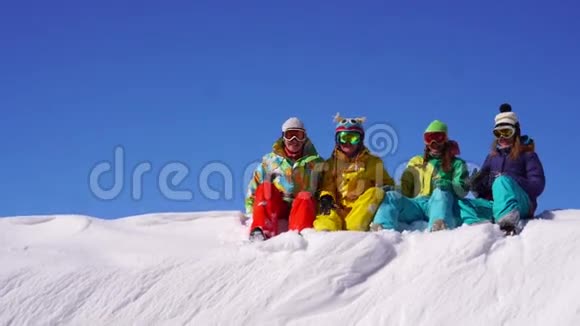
<point x="269" y="207"/>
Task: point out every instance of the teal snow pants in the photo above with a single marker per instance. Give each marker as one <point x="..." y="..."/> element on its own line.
<point x="508" y="196"/>
<point x="396" y="208"/>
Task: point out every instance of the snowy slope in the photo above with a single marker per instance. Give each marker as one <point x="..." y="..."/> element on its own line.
<point x="196" y="269"/>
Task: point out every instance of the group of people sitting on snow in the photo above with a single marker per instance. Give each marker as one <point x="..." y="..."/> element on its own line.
<point x="352" y="190"/>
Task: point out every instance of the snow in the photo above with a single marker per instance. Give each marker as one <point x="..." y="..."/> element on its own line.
<point x="197" y="269"/>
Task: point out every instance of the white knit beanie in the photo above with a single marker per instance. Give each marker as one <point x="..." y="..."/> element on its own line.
<point x="506" y="117"/>
<point x="292" y="123"/>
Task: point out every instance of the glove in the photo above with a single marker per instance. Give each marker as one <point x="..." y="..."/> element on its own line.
<point x="270" y="177"/>
<point x="475" y="176"/>
<point x="387" y="188"/>
<point x="480" y="183"/>
<point x="326" y="204"/>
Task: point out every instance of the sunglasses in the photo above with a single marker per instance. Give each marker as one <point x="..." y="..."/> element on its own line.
<point x="298" y="134"/>
<point x="349" y="137"/>
<point x="434" y="137"/>
<point x="504" y="132"/>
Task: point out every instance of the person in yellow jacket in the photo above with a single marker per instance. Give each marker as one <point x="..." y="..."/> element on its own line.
<point x="354" y="181"/>
<point x="431" y="186"/>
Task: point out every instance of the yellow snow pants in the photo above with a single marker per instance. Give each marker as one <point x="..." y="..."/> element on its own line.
<point x="357" y="217"/>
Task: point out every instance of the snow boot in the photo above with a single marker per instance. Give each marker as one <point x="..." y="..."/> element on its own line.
<point x="257" y="235"/>
<point x="438" y="225"/>
<point x="509" y="222"/>
<point x="375" y="227"/>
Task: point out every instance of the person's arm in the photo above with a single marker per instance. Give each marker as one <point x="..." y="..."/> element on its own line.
<point x="327" y="200"/>
<point x="387" y="181"/>
<point x="481" y="182"/>
<point x="410" y="177"/>
<point x="535" y="180"/>
<point x="328" y="186"/>
<point x="316" y="176"/>
<point x="257" y="178"/>
<point x="377" y="174"/>
<point x="408" y="182"/>
<point x="460" y="181"/>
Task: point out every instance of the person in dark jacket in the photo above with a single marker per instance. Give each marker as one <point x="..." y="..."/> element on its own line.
<point x="512" y="176"/>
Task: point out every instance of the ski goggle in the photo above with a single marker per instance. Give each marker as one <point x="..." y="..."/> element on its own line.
<point x="348" y="121"/>
<point x="349" y="137"/>
<point x="297" y="134"/>
<point x="504" y="132"/>
<point x="434" y="137"/>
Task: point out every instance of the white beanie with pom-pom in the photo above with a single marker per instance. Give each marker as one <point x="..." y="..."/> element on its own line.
<point x="506" y="117"/>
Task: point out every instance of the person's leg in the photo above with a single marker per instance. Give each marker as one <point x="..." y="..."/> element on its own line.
<point x="269" y="206"/>
<point x="364" y="209"/>
<point x="440" y="210"/>
<point x="303" y="212"/>
<point x="510" y="201"/>
<point x="475" y="210"/>
<point x="396" y="208"/>
<point x="330" y="222"/>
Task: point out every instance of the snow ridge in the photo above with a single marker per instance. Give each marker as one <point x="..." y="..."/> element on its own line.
<point x="197" y="269"/>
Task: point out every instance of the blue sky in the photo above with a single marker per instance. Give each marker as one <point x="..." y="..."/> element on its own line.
<point x="210" y="82"/>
